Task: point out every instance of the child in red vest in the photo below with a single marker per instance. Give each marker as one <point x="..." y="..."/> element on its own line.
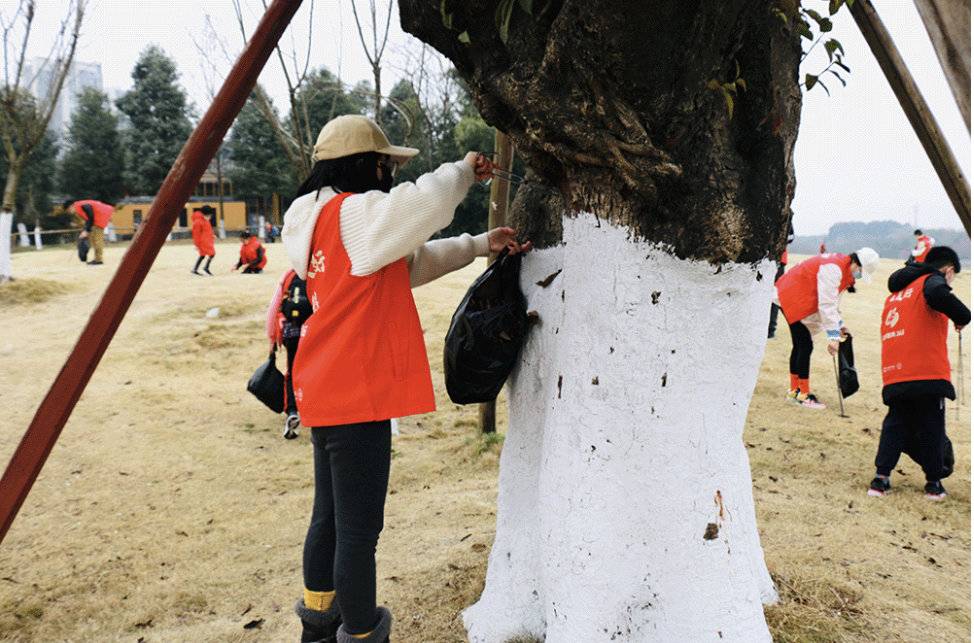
<point x="362" y="245"/>
<point x="203" y="238"/>
<point x="922" y="248"/>
<point x="809" y="298"/>
<point x="916" y="369"/>
<point x="288" y="311"/>
<point x="252" y="254"/>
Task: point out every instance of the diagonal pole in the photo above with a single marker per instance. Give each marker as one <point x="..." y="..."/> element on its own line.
<point x="915" y="107"/>
<point x="55" y="409"/>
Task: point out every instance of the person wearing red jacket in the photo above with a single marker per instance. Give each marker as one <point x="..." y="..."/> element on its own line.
<point x="252" y="254"/>
<point x="288" y="310"/>
<point x="916" y="368"/>
<point x="96" y="217"/>
<point x="203" y="238"/>
<point x="809" y="297"/>
<point x="923" y="245"/>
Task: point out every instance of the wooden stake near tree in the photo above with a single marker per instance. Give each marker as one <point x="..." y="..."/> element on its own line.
<point x="61" y="398"/>
<point x="916" y="108"/>
<point x="500" y="193"/>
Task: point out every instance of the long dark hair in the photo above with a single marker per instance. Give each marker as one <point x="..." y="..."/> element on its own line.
<point x="352" y="173"/>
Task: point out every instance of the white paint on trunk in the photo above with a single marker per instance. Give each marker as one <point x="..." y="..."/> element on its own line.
<point x="625" y="509"/>
<point x="6" y="225"/>
<point x="37" y="238"/>
<point x="260" y="227"/>
<point x="111" y="234"/>
<point x="23" y="239"/>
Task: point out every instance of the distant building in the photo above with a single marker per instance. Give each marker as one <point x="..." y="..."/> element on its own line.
<point x="80" y="76"/>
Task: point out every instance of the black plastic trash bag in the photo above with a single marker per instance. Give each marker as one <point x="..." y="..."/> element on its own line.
<point x="848" y="377"/>
<point x="83" y="247"/>
<point x="267" y="385"/>
<point x="486" y="333"/>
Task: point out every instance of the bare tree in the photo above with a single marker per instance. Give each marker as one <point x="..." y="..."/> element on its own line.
<point x="24" y="117"/>
<point x="375" y="53"/>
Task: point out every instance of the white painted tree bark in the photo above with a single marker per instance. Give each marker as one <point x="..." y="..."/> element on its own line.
<point x="625" y="510"/>
<point x="6" y="226"/>
<point x="37" y="238"/>
<point x="23" y="240"/>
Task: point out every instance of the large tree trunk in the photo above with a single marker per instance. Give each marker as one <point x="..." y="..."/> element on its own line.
<point x="625" y="509"/>
<point x="7" y="209"/>
<point x="948" y="24"/>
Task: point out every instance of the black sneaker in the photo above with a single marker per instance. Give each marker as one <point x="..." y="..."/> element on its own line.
<point x="95" y="263"/>
<point x="207" y="271"/>
<point x="934" y="491"/>
<point x="196" y="272"/>
<point x="879" y="487"/>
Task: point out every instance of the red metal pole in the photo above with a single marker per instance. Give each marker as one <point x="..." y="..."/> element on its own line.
<point x="185" y="173"/>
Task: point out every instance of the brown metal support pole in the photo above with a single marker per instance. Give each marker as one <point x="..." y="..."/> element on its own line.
<point x="195" y="156"/>
<point x="500" y="193"/>
<point x="916" y="109"/>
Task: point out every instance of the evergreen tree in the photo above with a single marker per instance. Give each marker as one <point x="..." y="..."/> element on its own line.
<point x="259" y="167"/>
<point x="94" y="163"/>
<point x="322" y="97"/>
<point x="158" y="121"/>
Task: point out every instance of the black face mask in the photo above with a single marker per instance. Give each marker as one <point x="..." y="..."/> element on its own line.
<point x="385" y="183"/>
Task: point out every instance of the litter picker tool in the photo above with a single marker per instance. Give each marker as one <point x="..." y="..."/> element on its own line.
<point x="960" y="373"/>
<point x="838" y="386"/>
<point x="55" y="409"/>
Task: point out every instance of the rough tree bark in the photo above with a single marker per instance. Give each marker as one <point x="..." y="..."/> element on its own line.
<point x="625" y="509"/>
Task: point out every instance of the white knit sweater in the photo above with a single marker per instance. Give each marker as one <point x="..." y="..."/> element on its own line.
<point x="379" y="228"/>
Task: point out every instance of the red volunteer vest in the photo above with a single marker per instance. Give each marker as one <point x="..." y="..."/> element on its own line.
<point x="927" y="243"/>
<point x="798" y="288"/>
<point x="362" y="356"/>
<point x="248" y="252"/>
<point x="103" y="212"/>
<point x="914" y="337"/>
<point x="203" y="234"/>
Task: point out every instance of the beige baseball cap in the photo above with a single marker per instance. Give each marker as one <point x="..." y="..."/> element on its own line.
<point x="354" y="134"/>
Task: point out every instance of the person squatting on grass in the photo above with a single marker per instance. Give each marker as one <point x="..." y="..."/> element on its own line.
<point x="252" y="254"/>
<point x="362" y="245"/>
<point x="286" y="314"/>
<point x="96" y="217"/>
<point x="203" y="238"/>
<point x="809" y="297"/>
<point x="916" y="368"/>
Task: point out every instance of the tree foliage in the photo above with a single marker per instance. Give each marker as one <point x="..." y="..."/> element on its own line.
<point x="93" y="165"/>
<point x="36" y="184"/>
<point x="258" y="168"/>
<point x="158" y="121"/>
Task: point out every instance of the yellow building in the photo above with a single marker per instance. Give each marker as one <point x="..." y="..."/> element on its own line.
<point x="131" y="211"/>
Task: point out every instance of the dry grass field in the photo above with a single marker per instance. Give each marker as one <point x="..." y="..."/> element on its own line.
<point x="172" y="509"/>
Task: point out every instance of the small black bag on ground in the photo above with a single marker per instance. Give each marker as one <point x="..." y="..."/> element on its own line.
<point x="848" y="377"/>
<point x="267" y="385"/>
<point x="486" y="333"/>
<point x="83" y="247"/>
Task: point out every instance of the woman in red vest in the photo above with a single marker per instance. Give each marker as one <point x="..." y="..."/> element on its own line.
<point x="923" y="245"/>
<point x="203" y="238"/>
<point x="252" y="254"/>
<point x="916" y="369"/>
<point x="362" y="245"/>
<point x="96" y="216"/>
<point x="809" y="298"/>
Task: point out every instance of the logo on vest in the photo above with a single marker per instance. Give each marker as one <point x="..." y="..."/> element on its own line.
<point x="299" y="394"/>
<point x="892" y="317"/>
<point x="314" y="302"/>
<point x="317" y="264"/>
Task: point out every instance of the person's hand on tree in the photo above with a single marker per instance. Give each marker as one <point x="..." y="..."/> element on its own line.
<point x="833" y="347"/>
<point x="504" y="237"/>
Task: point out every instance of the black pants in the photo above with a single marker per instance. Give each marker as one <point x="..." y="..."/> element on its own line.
<point x="773" y="323"/>
<point x="208" y="258"/>
<point x="801" y="350"/>
<point x="351" y="478"/>
<point x="914" y="425"/>
<point x="291" y="346"/>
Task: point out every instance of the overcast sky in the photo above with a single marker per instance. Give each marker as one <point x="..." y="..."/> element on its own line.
<point x="856" y="159"/>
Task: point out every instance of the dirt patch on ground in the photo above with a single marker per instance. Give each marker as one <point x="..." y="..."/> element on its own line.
<point x="31" y="291"/>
